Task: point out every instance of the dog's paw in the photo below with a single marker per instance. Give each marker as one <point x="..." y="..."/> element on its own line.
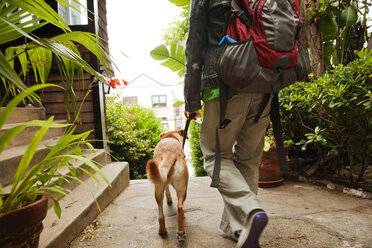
<point x="181" y="236"/>
<point x="163" y="233"/>
<point x="170" y="203"/>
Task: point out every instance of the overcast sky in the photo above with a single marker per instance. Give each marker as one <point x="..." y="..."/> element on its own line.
<point x="135" y="28"/>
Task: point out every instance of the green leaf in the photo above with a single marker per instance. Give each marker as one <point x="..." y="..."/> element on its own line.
<point x="41" y="61"/>
<point x="89" y="163"/>
<point x="6" y="137"/>
<point x="16" y="17"/>
<point x="348" y="17"/>
<point x="178" y="103"/>
<point x="22" y="56"/>
<point x="63" y="51"/>
<point x="9" y="74"/>
<point x="160" y="52"/>
<point x="88" y="173"/>
<point x="328" y="48"/>
<point x="57" y="208"/>
<point x="9" y="54"/>
<point x="29" y="154"/>
<point x="180" y="3"/>
<point x="328" y="27"/>
<point x="174" y="59"/>
<point x="89" y="41"/>
<point x="41" y="9"/>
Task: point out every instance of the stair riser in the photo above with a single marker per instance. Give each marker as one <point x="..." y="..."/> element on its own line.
<point x="25" y="114"/>
<point x="25" y="137"/>
<point x="9" y="166"/>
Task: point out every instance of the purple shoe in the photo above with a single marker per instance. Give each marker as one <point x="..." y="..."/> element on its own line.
<point x="251" y="233"/>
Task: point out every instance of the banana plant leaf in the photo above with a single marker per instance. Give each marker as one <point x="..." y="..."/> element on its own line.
<point x="174" y="58"/>
<point x="348" y="17"/>
<point x="328" y="27"/>
<point x="180" y="3"/>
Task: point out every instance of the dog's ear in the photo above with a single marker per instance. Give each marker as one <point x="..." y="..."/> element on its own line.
<point x="180" y="132"/>
<point x="161" y="135"/>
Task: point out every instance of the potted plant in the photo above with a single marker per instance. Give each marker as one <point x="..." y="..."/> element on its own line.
<point x="24" y="206"/>
<point x="269" y="170"/>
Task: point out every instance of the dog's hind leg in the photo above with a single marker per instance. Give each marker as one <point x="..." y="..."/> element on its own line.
<point x="181" y="232"/>
<point x="168" y="195"/>
<point x="159" y="195"/>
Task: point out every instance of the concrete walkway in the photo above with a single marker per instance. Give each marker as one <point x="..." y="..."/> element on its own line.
<point x="301" y="215"/>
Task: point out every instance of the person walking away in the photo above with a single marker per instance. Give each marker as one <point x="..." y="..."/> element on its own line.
<point x="242" y="141"/>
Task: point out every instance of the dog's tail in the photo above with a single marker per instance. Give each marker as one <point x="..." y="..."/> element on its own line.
<point x="152" y="171"/>
<point x="158" y="173"/>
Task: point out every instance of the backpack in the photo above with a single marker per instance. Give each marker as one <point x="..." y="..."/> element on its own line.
<point x="260" y="54"/>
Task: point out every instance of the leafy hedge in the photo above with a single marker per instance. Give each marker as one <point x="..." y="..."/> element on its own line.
<point x="133" y="132"/>
<point x="330" y="119"/>
<point x="196" y="153"/>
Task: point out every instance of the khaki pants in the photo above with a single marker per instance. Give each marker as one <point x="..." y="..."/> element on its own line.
<point x="241" y="144"/>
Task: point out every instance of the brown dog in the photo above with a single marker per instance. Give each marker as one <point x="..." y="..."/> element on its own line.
<point x="169" y="167"/>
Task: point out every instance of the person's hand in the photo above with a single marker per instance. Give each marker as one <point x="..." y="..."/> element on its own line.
<point x="188" y="114"/>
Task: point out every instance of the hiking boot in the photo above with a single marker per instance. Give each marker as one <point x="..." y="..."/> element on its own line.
<point x="250" y="234"/>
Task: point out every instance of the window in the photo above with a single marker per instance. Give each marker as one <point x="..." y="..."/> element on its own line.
<point x="177" y="111"/>
<point x="129" y="100"/>
<point x="178" y="124"/>
<point x="72" y="16"/>
<point x="165" y="126"/>
<point x="28" y="19"/>
<point x="159" y="101"/>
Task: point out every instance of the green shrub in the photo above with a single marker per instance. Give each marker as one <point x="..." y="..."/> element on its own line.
<point x="330" y="119"/>
<point x="196" y="153"/>
<point x="134" y="132"/>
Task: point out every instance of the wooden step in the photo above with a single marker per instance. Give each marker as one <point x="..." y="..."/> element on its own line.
<point x="25" y="137"/>
<point x="25" y="114"/>
<point x="99" y="156"/>
<point x="79" y="207"/>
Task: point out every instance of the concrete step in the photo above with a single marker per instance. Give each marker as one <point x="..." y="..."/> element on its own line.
<point x="10" y="159"/>
<point x="99" y="156"/>
<point x="25" y="114"/>
<point x="25" y="137"/>
<point x="79" y="207"/>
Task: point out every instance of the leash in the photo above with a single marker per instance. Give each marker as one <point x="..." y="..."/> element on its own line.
<point x="191" y="116"/>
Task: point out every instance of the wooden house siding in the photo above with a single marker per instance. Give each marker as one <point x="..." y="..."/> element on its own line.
<point x="53" y="100"/>
<point x="93" y="114"/>
<point x="93" y="109"/>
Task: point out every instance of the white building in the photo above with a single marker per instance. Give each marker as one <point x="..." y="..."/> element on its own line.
<point x="149" y="93"/>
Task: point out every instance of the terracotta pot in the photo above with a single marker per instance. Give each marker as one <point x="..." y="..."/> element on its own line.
<point x="21" y="227"/>
<point x="269" y="170"/>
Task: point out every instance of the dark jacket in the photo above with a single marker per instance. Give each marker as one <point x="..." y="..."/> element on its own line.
<point x="207" y="25"/>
